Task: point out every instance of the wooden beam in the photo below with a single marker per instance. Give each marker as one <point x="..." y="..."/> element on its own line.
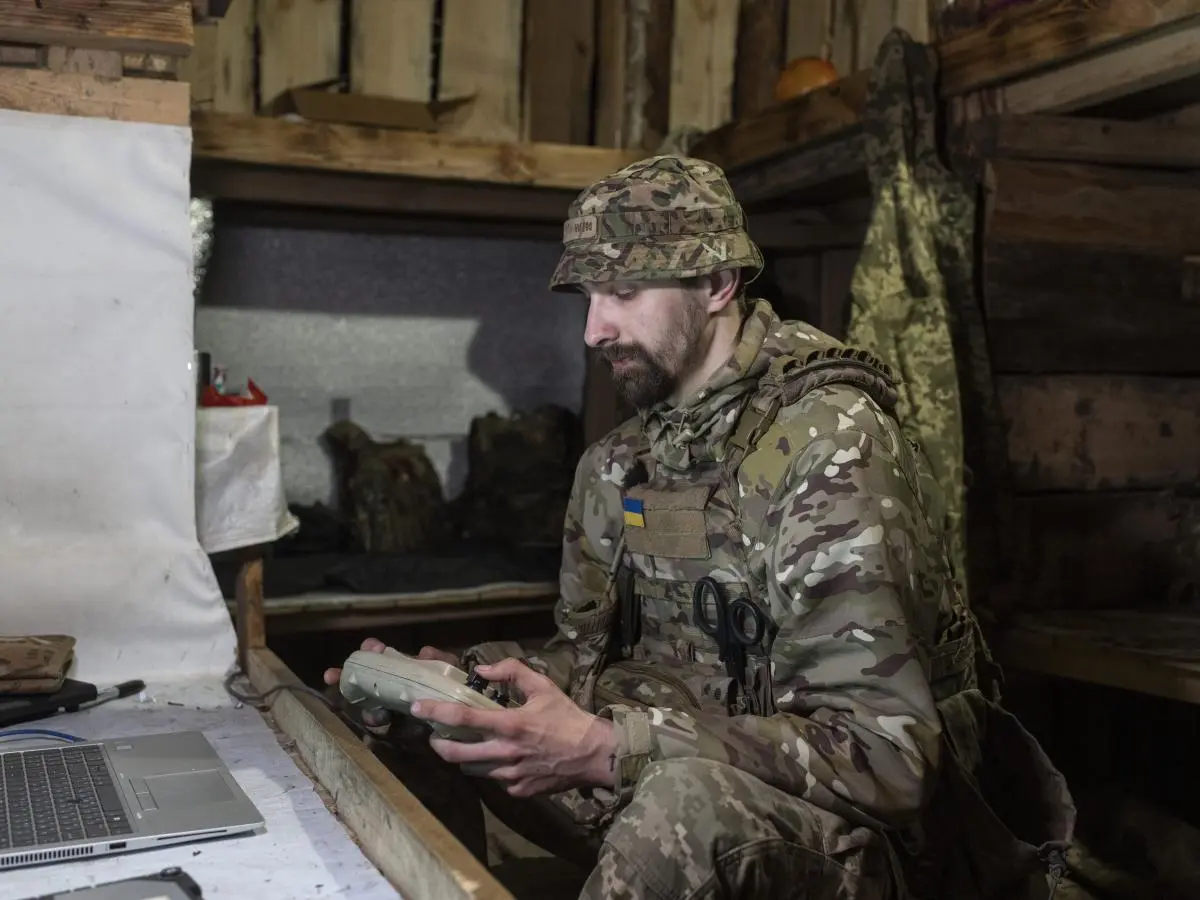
<point x="1093" y="432"/>
<point x="1027" y="37"/>
<point x="251" y="621"/>
<point x="1135" y="650"/>
<point x="153" y="26"/>
<point x="633" y="73"/>
<point x="376" y="151"/>
<point x="560" y="52"/>
<point x="413" y="850"/>
<point x="1092" y="141"/>
<point x="1056" y="307"/>
<point x="786" y="126"/>
<point x="1150" y="211"/>
<point x="1133" y="71"/>
<point x="836" y="165"/>
<point x="150" y="100"/>
<point x="457" y="203"/>
<point x="761" y="37"/>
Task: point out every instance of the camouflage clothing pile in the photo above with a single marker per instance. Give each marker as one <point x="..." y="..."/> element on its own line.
<point x="390" y="493"/>
<point x="519" y="474"/>
<point x="849" y="745"/>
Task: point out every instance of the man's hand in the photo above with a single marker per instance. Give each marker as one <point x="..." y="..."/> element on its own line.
<point x="547" y="745"/>
<point x="374" y="645"/>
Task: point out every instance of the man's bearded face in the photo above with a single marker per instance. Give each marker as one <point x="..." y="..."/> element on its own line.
<point x="647" y="368"/>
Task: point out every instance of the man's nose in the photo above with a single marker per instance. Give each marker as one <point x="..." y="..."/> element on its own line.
<point x="600" y="329"/>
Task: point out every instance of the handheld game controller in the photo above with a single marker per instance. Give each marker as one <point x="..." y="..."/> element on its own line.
<point x="393" y="681"/>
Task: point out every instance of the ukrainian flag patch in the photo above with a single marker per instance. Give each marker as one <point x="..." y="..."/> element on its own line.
<point x="634" y="512"/>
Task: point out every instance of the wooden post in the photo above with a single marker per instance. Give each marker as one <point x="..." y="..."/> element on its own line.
<point x="248" y="592"/>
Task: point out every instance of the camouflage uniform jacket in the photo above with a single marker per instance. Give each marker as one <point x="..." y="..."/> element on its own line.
<point x="823" y="525"/>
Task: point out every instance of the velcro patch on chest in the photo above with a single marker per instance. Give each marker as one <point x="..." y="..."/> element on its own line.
<point x="667" y="523"/>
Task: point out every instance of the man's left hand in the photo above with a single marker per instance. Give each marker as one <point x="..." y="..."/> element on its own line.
<point x="545" y="746"/>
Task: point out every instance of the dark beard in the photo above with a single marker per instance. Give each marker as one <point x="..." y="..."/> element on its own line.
<point x="652" y="378"/>
<point x="643" y="384"/>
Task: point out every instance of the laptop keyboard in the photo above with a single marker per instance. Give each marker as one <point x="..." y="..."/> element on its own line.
<point x="57" y="794"/>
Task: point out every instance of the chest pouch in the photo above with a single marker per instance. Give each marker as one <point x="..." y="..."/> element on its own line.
<point x="669" y="524"/>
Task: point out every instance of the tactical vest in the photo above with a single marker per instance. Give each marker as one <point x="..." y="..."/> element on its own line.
<point x="681" y="528"/>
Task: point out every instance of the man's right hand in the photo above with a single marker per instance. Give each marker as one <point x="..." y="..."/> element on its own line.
<point x="374" y="645"/>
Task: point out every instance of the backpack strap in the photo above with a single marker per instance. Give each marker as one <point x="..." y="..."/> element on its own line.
<point x="788" y="379"/>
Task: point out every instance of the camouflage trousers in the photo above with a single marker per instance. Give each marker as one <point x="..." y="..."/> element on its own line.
<point x="694" y="830"/>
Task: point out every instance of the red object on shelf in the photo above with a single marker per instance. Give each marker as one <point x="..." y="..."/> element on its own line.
<point x="253" y="396"/>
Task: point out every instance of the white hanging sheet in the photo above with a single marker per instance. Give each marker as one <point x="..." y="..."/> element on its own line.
<point x="97" y="407"/>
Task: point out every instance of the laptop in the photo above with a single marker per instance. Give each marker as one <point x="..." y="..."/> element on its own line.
<point x="115" y="796"/>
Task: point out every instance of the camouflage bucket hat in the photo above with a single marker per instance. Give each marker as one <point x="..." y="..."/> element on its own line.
<point x="663" y="217"/>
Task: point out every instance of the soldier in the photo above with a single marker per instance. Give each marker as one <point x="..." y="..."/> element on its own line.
<point x="757" y="619"/>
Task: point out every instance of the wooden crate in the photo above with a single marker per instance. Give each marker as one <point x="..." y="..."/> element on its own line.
<point x="613" y="73"/>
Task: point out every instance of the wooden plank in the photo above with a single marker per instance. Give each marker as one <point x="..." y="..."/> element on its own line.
<point x="413" y="850"/>
<point x="1166" y="59"/>
<point x="148" y="100"/>
<point x="1027" y="37"/>
<point x="153" y="26"/>
<point x="1095" y="206"/>
<point x="300" y="45"/>
<point x="430" y="206"/>
<point x="1084" y="140"/>
<point x="1100" y="550"/>
<point x="354" y="149"/>
<point x="560" y="52"/>
<point x="481" y="57"/>
<point x="391" y="49"/>
<point x="834" y="166"/>
<point x="1119" y="652"/>
<point x="1093" y="432"/>
<point x="633" y="73"/>
<point x="703" y="51"/>
<point x="783" y="127"/>
<point x="761" y="37"/>
<point x="1068" y="308"/>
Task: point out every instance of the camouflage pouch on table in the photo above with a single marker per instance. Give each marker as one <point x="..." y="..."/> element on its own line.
<point x="36" y="663"/>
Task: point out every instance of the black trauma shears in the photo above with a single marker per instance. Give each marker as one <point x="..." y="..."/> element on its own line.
<point x="739" y="627"/>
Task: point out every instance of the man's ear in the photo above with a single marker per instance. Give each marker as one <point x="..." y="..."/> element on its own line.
<point x="723" y="289"/>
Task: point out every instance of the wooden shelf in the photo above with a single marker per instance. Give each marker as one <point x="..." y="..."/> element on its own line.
<point x="341" y="611"/>
<point x="280" y="161"/>
<point x="1049" y="57"/>
<point x="1146" y="651"/>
